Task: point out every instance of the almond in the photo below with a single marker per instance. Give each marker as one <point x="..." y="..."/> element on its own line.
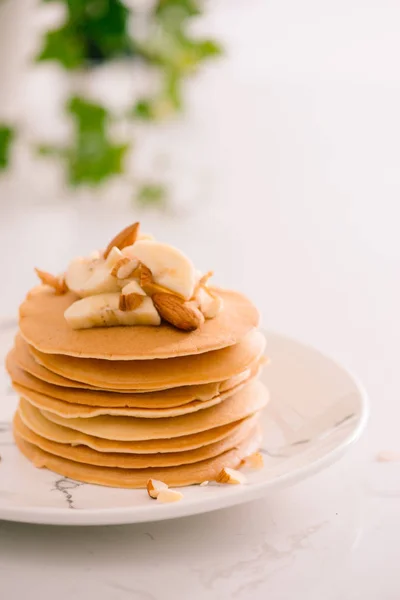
<point x="118" y="265"/>
<point x="254" y="461"/>
<point x="124" y="268"/>
<point x="203" y="280"/>
<point x="145" y="276"/>
<point x="130" y="301"/>
<point x="231" y="476"/>
<point x="126" y="237"/>
<point x="202" y="283"/>
<point x="58" y="283"/>
<point x="154" y="486"/>
<point x="152" y="288"/>
<point x="209" y="303"/>
<point x="174" y="310"/>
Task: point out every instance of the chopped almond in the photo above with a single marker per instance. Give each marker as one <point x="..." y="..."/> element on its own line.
<point x="169" y="496"/>
<point x="145" y="276"/>
<point x="231" y="476"/>
<point x="154" y="487"/>
<point x="57" y="283"/>
<point x="254" y="461"/>
<point x="130" y="301"/>
<point x="204" y="278"/>
<point x="121" y="263"/>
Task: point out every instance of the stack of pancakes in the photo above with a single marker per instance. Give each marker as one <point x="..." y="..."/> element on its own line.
<point x="115" y="406"/>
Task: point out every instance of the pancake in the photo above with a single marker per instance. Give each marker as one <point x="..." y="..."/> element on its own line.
<point x="25" y="361"/>
<point x="44" y="327"/>
<point x="161" y="399"/>
<point x="36" y="422"/>
<point x="158" y="373"/>
<point x="83" y="454"/>
<point x="205" y="470"/>
<point x="250" y="399"/>
<point x="69" y="410"/>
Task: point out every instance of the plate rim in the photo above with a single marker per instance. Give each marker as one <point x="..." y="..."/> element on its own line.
<point x="41" y="515"/>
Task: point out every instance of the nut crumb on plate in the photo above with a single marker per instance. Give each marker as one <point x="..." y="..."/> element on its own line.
<point x="154" y="486"/>
<point x="167" y="495"/>
<point x="231" y="476"/>
<point x="254" y="461"/>
<point x="388" y="456"/>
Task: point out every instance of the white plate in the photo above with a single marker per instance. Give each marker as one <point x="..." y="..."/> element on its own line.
<point x="317" y="410"/>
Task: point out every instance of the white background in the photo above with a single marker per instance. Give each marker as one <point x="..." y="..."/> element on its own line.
<point x="294" y="141"/>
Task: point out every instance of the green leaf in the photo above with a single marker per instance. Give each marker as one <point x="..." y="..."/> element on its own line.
<point x="94" y="157"/>
<point x="173" y="13"/>
<point x="106" y="27"/>
<point x="64" y="46"/>
<point x="46" y="150"/>
<point x="94" y="160"/>
<point x="177" y="52"/>
<point x="94" y="31"/>
<point x="188" y="7"/>
<point x="165" y="104"/>
<point x="192" y="52"/>
<point x="207" y="49"/>
<point x="6" y="137"/>
<point x="173" y="89"/>
<point x="89" y="115"/>
<point x="143" y="110"/>
<point x="151" y="194"/>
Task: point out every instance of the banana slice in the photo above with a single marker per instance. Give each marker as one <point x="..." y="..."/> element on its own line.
<point x="170" y="267"/>
<point x="87" y="277"/>
<point x="145" y="236"/>
<point x="102" y="310"/>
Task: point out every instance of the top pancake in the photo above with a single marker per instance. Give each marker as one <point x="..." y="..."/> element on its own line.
<point x="43" y="325"/>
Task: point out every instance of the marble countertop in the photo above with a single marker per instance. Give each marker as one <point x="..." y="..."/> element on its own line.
<point x="303" y="214"/>
<point x="335" y="536"/>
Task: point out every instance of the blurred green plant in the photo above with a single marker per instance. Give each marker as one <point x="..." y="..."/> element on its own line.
<point x="175" y="53"/>
<point x="96" y="32"/>
<point x="92" y="157"/>
<point x="99" y="31"/>
<point x="152" y="194"/>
